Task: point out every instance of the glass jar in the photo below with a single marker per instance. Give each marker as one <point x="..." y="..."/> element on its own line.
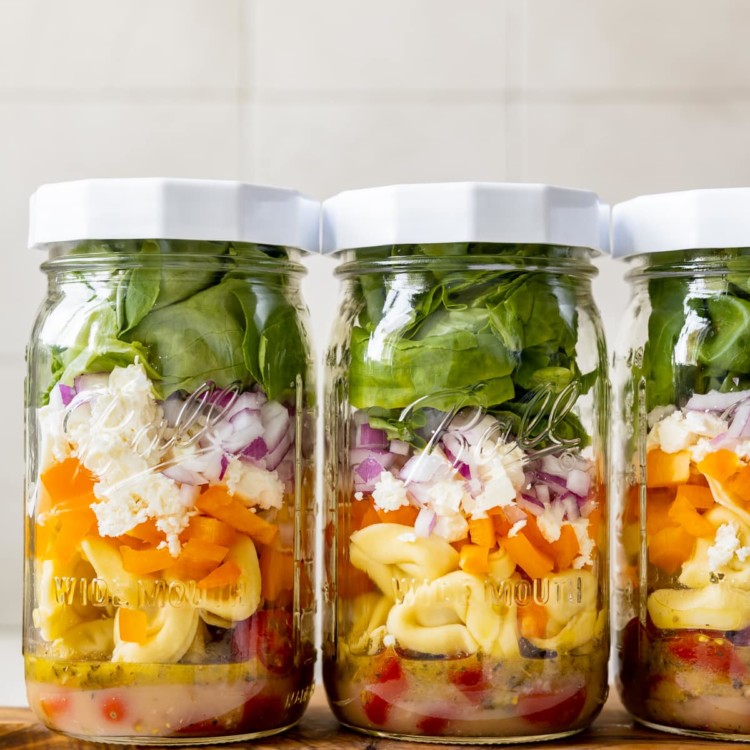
<point x="170" y="472"/>
<point x="466" y="428"/>
<point x="682" y="478"/>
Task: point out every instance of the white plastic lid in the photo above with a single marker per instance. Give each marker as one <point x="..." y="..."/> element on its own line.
<point x="465" y="212"/>
<point x="693" y="219"/>
<point x="158" y="208"/>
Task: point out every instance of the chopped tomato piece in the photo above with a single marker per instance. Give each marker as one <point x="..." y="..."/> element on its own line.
<point x="432" y="725"/>
<point x="706" y="651"/>
<point x="113" y="709"/>
<point x="267" y="636"/>
<point x="376" y="708"/>
<point x="550" y="710"/>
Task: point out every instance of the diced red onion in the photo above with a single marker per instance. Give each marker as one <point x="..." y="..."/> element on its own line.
<point x="180" y="474"/>
<point x="579" y="482"/>
<point x="256" y="450"/>
<point x="399" y="447"/>
<point x="556" y="483"/>
<point x="569" y="502"/>
<point x="369" y="437"/>
<point x="739" y="425"/>
<point x="247" y="400"/>
<point x="224" y="465"/>
<point x="542" y="492"/>
<point x="94" y="381"/>
<point x="285" y="469"/>
<point x="425" y="522"/>
<point x="206" y="463"/>
<point x="530" y="504"/>
<point x="369" y="469"/>
<point x="276" y="424"/>
<point x="274" y="456"/>
<point x="475" y="431"/>
<point x="715" y="401"/>
<point x="463" y="469"/>
<point x="423" y="468"/>
<point x="246" y="427"/>
<point x="421" y="492"/>
<point x="724" y="440"/>
<point x="67" y="393"/>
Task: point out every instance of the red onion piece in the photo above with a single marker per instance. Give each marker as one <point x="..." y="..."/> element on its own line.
<point x="207" y="463"/>
<point x="273" y="458"/>
<point x="530" y="504"/>
<point x="579" y="482"/>
<point x="399" y="447"/>
<point x="369" y="437"/>
<point x="542" y="492"/>
<point x="180" y="474"/>
<point x="715" y="401"/>
<point x="247" y="400"/>
<point x="556" y="483"/>
<point x="276" y="424"/>
<point x="285" y="468"/>
<point x="425" y="522"/>
<point x="255" y="450"/>
<point x="246" y="427"/>
<point x="67" y="393"/>
<point x="172" y="409"/>
<point x="423" y="468"/>
<point x="421" y="492"/>
<point x="224" y="465"/>
<point x="739" y="425"/>
<point x="369" y="469"/>
<point x="92" y="382"/>
<point x="569" y="502"/>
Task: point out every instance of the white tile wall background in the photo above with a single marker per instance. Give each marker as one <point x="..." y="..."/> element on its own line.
<point x="624" y="96"/>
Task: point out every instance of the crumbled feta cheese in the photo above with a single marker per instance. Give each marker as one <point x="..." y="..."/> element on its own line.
<point x="500" y="469"/>
<point x="726" y="543"/>
<point x="389" y="641"/>
<point x="550" y="521"/>
<point x="451" y="528"/>
<point x="586" y="544"/>
<point x="408" y="537"/>
<point x="253" y="485"/>
<point x="658" y="413"/>
<point x="358" y="495"/>
<point x="116" y="436"/>
<point x="516" y="527"/>
<point x="743" y="553"/>
<point x="446" y="497"/>
<point x="389" y="492"/>
<point x="679" y="430"/>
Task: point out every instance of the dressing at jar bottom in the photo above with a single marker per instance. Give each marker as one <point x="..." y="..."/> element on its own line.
<point x="158" y="704"/>
<point x="686" y="682"/>
<point x="465" y="700"/>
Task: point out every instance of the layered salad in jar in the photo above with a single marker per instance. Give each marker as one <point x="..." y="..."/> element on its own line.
<point x="684" y="644"/>
<point x="464" y="548"/>
<point x="169" y="587"/>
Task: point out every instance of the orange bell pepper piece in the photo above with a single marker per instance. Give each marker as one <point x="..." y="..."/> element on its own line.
<point x="144" y="561"/>
<point x="667" y="469"/>
<point x="720" y="465"/>
<point x="482" y="532"/>
<point x="218" y="503"/>
<point x="473" y="558"/>
<point x="133" y="624"/>
<point x="523" y="553"/>
<point x="224" y="575"/>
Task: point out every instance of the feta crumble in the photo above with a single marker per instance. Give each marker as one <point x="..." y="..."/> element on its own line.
<point x="389" y="492"/>
<point x="679" y="431"/>
<point x="253" y="485"/>
<point x="726" y="543"/>
<point x="516" y="527"/>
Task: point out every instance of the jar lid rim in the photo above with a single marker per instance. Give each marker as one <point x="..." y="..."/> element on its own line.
<point x="435" y="213"/>
<point x="703" y="219"/>
<point x="172" y="208"/>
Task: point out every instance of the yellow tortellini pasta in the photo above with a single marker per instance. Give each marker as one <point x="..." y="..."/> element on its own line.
<point x="717" y="606"/>
<point x="390" y="552"/>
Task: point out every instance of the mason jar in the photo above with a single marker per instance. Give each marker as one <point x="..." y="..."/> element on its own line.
<point x="465" y="581"/>
<point x="169" y="462"/>
<point x="682" y="478"/>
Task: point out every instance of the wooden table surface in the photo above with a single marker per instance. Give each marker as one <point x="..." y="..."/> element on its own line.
<point x="318" y="729"/>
